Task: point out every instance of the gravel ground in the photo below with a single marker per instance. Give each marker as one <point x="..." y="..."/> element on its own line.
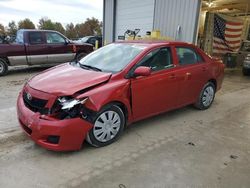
<point x="182" y="148"/>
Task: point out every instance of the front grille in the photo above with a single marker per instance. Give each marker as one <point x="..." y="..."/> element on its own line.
<point x="35" y="104"/>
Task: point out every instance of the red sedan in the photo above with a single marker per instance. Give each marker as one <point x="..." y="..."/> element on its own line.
<point x="94" y="99"/>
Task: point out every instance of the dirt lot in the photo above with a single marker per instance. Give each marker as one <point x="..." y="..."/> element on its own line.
<point x="9" y="89"/>
<point x="183" y="148"/>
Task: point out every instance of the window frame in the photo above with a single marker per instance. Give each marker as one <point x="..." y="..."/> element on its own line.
<point x="131" y="71"/>
<point x="192" y="49"/>
<point x="36" y="43"/>
<point x="53" y="43"/>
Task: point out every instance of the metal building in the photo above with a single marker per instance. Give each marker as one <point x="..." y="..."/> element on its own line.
<point x="177" y="19"/>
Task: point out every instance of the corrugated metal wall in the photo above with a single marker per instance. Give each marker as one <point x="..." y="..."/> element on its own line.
<point x="164" y="15"/>
<point x="134" y="14"/>
<point x="169" y="14"/>
<point x="108" y="20"/>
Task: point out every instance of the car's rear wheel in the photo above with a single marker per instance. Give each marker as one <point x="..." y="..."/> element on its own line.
<point x="3" y="67"/>
<point x="80" y="55"/>
<point x="206" y="96"/>
<point x="108" y="126"/>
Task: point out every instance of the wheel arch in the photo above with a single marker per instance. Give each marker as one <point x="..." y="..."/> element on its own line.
<point x="214" y="81"/>
<point x="120" y="105"/>
<point x="6" y="60"/>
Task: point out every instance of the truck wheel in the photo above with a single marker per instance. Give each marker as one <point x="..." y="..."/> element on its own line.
<point x="3" y="67"/>
<point x="80" y="55"/>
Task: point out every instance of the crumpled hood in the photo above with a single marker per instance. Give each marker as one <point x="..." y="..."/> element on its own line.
<point x="67" y="79"/>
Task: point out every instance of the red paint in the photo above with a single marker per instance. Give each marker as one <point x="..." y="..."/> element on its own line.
<point x="67" y="79"/>
<point x="142" y="96"/>
<point x="72" y="131"/>
<point x="142" y="71"/>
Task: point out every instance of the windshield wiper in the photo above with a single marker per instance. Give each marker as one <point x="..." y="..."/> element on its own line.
<point x="90" y="67"/>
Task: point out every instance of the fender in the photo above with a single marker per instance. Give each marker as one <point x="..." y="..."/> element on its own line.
<point x="116" y="91"/>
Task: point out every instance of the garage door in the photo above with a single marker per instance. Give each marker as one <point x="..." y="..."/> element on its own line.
<point x="134" y="14"/>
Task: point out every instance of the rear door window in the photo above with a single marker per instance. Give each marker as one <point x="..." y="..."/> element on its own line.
<point x="36" y="38"/>
<point x="187" y="56"/>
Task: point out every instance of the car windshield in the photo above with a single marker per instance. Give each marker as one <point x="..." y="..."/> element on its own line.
<point x="84" y="39"/>
<point x="245" y="47"/>
<point x="113" y="57"/>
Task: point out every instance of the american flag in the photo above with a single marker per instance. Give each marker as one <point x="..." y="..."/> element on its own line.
<point x="226" y="36"/>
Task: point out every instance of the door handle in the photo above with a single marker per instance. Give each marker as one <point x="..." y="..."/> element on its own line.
<point x="188" y="74"/>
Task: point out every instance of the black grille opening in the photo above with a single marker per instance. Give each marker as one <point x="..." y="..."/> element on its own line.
<point x="35" y="104"/>
<point x="26" y="129"/>
<point x="53" y="139"/>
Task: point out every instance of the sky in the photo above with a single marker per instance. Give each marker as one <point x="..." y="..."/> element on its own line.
<point x="64" y="11"/>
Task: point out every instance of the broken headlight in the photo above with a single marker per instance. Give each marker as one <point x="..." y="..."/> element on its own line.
<point x="67" y="104"/>
<point x="68" y="107"/>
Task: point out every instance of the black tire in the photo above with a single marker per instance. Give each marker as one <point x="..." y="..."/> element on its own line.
<point x="93" y="140"/>
<point x="246" y="72"/>
<point x="3" y="67"/>
<point x="80" y="55"/>
<point x="204" y="104"/>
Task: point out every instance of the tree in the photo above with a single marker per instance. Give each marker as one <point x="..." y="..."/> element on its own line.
<point x="2" y="30"/>
<point x="26" y="24"/>
<point x="12" y="28"/>
<point x="91" y="26"/>
<point x="58" y="27"/>
<point x="46" y="23"/>
<point x="70" y="31"/>
<point x="80" y="30"/>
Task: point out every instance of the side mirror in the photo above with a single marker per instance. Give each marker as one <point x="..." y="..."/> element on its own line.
<point x="142" y="71"/>
<point x="67" y="42"/>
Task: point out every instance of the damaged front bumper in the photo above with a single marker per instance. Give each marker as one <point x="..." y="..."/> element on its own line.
<point x="51" y="133"/>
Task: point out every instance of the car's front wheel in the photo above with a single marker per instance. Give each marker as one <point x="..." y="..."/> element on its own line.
<point x="206" y="96"/>
<point x="108" y="126"/>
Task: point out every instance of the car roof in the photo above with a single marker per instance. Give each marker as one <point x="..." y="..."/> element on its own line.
<point x="154" y="42"/>
<point x="31" y="30"/>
